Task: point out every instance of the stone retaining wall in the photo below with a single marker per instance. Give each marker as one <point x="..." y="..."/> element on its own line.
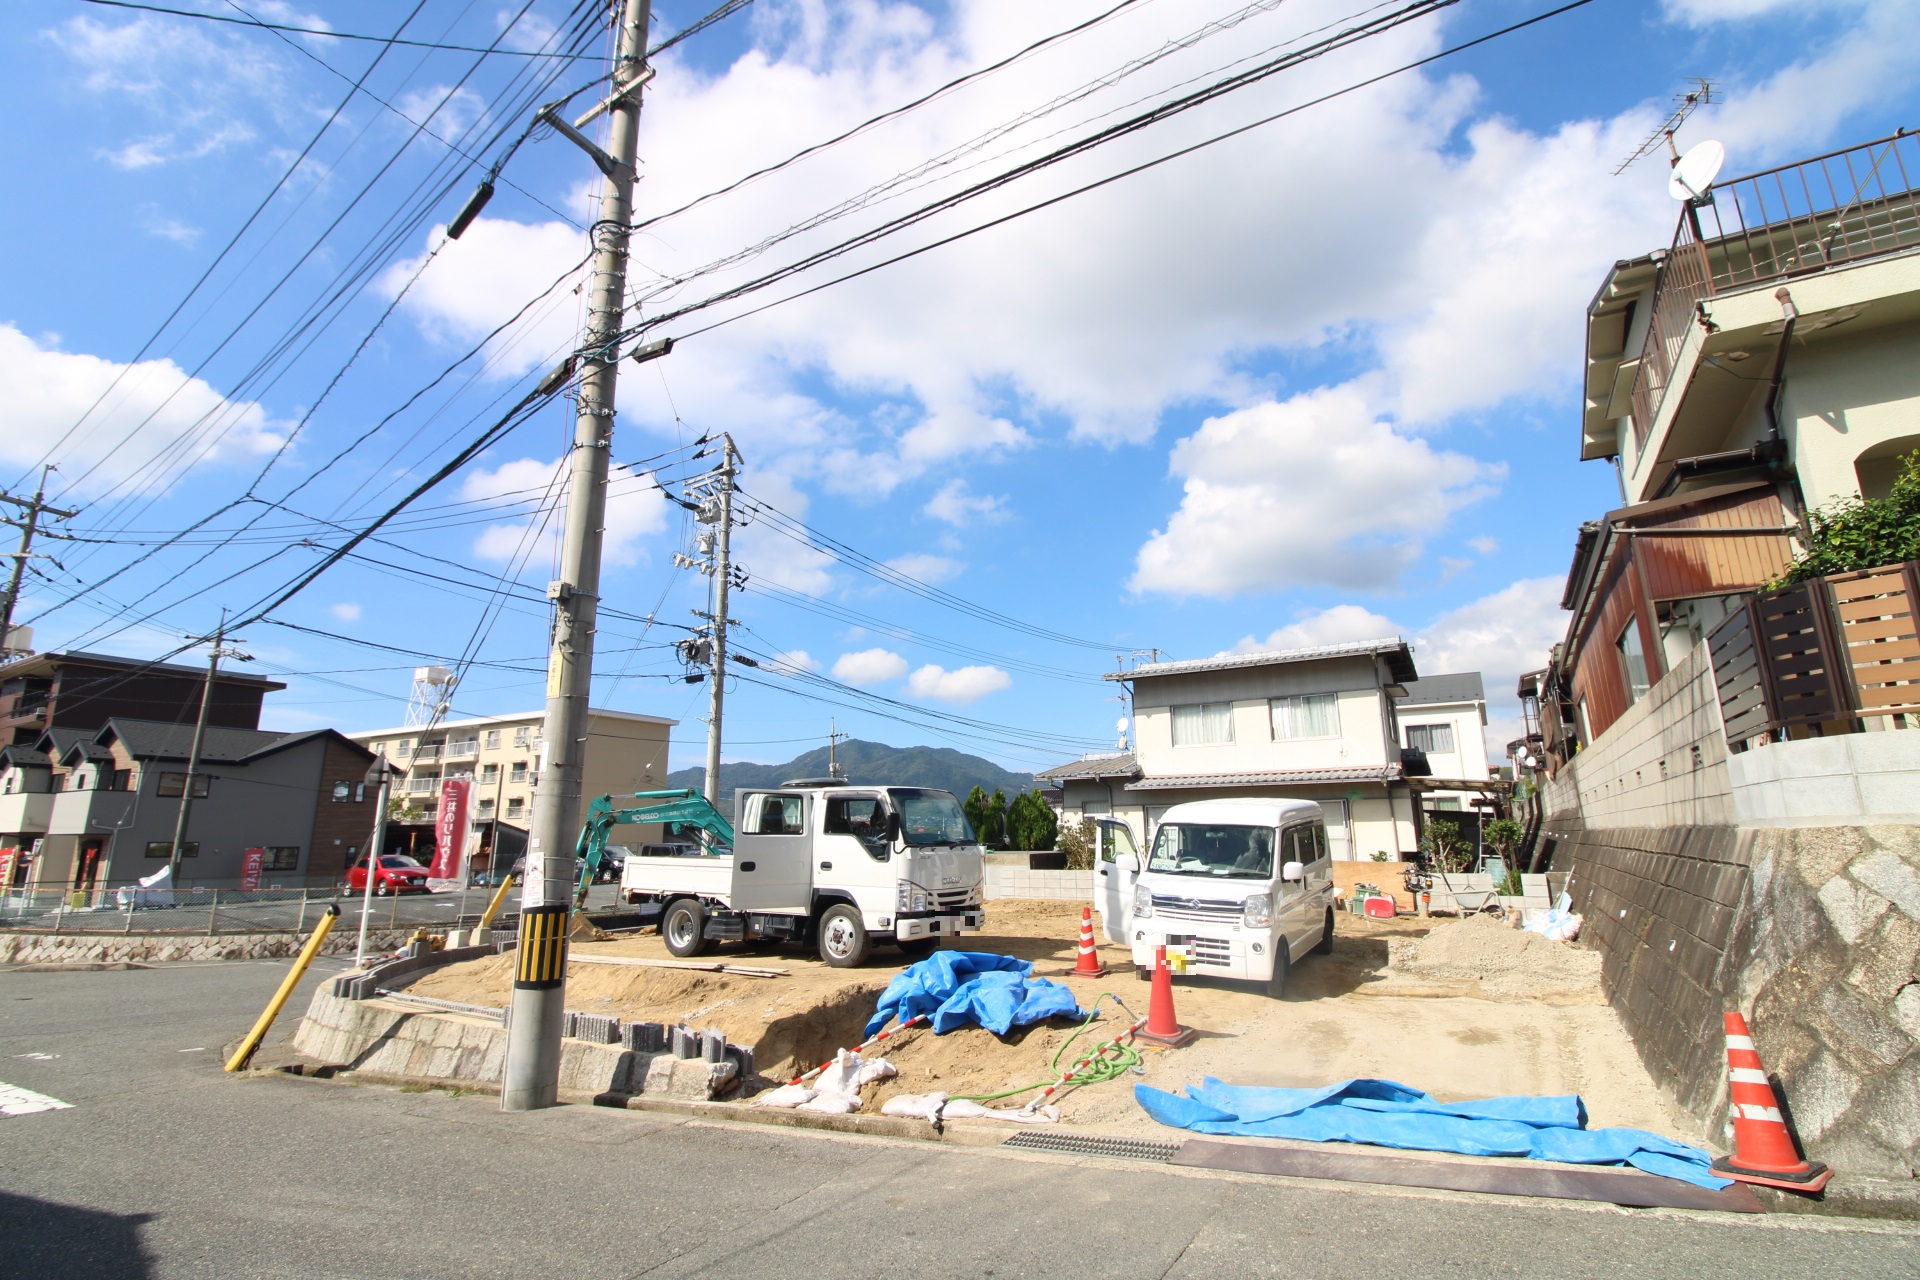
<point x="385" y="1037"/>
<point x="159" y="948"/>
<point x="1813" y="932"/>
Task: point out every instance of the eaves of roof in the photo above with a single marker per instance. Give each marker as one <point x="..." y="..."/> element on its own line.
<point x="1279" y="778"/>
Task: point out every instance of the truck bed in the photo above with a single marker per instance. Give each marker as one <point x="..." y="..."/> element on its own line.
<point x="707" y="876"/>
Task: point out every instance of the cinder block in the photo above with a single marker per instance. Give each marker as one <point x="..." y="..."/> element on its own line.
<point x="643" y="1037"/>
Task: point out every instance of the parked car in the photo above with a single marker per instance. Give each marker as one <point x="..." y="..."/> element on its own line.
<point x="397" y="873"/>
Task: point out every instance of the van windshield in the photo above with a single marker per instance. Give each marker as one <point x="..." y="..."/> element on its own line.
<point x="1213" y="849"/>
<point x="930" y="817"/>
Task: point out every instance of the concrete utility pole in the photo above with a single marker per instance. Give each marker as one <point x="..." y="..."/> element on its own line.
<point x="720" y="504"/>
<point x="220" y="651"/>
<point x="28" y="528"/>
<point x="374" y="850"/>
<point x="539" y="988"/>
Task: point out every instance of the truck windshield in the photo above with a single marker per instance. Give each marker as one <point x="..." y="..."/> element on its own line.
<point x="1213" y="849"/>
<point x="930" y="817"/>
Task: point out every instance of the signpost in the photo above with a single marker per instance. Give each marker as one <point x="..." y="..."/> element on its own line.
<point x="251" y="864"/>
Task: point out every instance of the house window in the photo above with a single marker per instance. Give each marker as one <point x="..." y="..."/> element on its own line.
<point x="342" y="791"/>
<point x="1202" y="724"/>
<point x="164" y="849"/>
<point x="516" y="807"/>
<point x="489" y="773"/>
<point x="359" y="792"/>
<point x="485" y="808"/>
<point x="1430" y="737"/>
<point x="403" y="748"/>
<point x="523" y="736"/>
<point x="493" y="739"/>
<point x="1307" y="715"/>
<point x="1633" y="661"/>
<point x="175" y="784"/>
<point x="518" y="773"/>
<point x="282" y="857"/>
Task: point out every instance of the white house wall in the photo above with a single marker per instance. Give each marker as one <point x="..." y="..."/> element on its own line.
<point x="1361" y="741"/>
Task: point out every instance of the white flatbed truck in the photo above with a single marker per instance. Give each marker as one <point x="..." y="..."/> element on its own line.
<point x="819" y="861"/>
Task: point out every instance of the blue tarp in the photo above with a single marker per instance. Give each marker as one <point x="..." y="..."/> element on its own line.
<point x="1386" y="1114"/>
<point x="964" y="988"/>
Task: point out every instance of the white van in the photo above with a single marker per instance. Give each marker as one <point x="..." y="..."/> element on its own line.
<point x="1242" y="888"/>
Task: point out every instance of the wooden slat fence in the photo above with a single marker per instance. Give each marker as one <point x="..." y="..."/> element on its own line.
<point x="1878" y="612"/>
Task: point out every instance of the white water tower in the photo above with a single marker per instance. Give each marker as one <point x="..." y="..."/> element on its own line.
<point x="429" y="701"/>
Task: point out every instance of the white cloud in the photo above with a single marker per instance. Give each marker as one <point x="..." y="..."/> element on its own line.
<point x="442" y="109"/>
<point x="1342" y="624"/>
<point x="926" y="568"/>
<point x="956" y="505"/>
<point x="962" y="686"/>
<point x="346" y="611"/>
<point x="1500" y="636"/>
<point x="635" y="508"/>
<point x="478" y="282"/>
<point x="150" y="424"/>
<point x="1484" y="545"/>
<point x="1313" y="491"/>
<point x="869" y="666"/>
<point x="795" y="660"/>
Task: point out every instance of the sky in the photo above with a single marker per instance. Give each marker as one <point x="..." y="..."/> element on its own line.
<point x="1316" y="381"/>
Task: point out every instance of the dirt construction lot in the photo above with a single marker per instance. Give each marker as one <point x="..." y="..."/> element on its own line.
<point x="1462" y="1009"/>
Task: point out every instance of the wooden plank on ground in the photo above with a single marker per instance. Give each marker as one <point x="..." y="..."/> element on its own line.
<point x="1494" y="1177"/>
<point x="634" y="962"/>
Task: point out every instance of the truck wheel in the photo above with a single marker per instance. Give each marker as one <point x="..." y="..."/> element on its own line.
<point x="843" y="938"/>
<point x="1324" y="947"/>
<point x="1282" y="962"/>
<point x="684" y="927"/>
<point x="914" y="948"/>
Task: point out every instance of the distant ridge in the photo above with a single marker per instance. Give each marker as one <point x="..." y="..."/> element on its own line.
<point x="871" y="763"/>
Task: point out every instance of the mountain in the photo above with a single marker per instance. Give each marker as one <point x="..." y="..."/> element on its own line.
<point x="872" y="764"/>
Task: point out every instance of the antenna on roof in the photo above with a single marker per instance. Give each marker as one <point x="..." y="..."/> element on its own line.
<point x="1686" y="104"/>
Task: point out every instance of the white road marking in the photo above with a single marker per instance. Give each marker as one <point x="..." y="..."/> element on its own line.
<point x="15" y="1101"/>
<point x="37" y="1057"/>
<point x="195" y="1049"/>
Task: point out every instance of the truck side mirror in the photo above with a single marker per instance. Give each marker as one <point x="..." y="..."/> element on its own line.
<point x="1293" y="871"/>
<point x="893" y="826"/>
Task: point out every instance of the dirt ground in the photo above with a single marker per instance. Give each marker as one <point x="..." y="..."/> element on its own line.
<point x="1462" y="1009"/>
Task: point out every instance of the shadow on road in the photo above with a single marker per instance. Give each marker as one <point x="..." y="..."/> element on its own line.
<point x="65" y="1242"/>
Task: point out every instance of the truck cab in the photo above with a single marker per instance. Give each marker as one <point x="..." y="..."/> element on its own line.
<point x="841" y="866"/>
<point x="1238" y="888"/>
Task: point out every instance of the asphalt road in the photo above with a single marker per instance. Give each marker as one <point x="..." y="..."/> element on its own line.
<point x="164" y="1167"/>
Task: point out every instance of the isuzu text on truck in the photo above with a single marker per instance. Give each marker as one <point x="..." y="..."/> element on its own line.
<point x="824" y="862"/>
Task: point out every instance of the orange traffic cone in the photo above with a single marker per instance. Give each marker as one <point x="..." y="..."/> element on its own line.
<point x="1763" y="1150"/>
<point x="1088" y="965"/>
<point x="1162" y="1026"/>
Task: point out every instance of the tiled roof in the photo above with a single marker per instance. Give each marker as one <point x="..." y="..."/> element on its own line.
<point x="1397" y="652"/>
<point x="1279" y="778"/>
<point x="1119" y="765"/>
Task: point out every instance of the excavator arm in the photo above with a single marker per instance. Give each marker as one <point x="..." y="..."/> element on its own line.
<point x="686" y="807"/>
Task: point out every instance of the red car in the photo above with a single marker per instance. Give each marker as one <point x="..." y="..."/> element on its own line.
<point x="397" y="874"/>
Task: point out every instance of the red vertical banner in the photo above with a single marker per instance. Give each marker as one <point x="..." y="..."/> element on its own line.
<point x="251" y="863"/>
<point x="8" y="859"/>
<point x="450" y="829"/>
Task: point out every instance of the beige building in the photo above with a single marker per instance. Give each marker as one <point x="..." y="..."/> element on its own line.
<point x="502" y="757"/>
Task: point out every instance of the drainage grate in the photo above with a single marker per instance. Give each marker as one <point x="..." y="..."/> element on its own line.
<point x="1085" y="1145"/>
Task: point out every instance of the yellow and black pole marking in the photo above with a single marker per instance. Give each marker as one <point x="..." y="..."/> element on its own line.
<point x="543" y="948"/>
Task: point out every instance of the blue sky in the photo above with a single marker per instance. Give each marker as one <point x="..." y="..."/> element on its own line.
<point x="1318" y="382"/>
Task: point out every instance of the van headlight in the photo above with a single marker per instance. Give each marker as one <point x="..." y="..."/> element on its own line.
<point x="908" y="898"/>
<point x="1142" y="900"/>
<point x="1257" y="912"/>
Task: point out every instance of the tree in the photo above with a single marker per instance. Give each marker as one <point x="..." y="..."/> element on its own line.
<point x="976" y="810"/>
<point x="1030" y="822"/>
<point x="1443" y="846"/>
<point x="994" y="819"/>
<point x="1076" y="840"/>
<point x="1862" y="533"/>
<point x="1504" y="834"/>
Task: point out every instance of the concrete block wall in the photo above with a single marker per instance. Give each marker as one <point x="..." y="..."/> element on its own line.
<point x="1023" y="882"/>
<point x="1828" y="782"/>
<point x="1663" y="764"/>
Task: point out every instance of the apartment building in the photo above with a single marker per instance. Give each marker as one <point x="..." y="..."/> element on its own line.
<point x="1322" y="724"/>
<point x="501" y="756"/>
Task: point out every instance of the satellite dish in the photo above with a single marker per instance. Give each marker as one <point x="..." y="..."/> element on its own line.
<point x="1121" y="725"/>
<point x="1695" y="171"/>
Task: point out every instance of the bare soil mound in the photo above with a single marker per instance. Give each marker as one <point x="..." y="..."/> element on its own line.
<point x="1505" y="962"/>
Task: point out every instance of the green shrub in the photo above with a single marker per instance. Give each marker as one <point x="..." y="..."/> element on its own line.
<point x="1862" y="533"/>
<point x="1076" y="840"/>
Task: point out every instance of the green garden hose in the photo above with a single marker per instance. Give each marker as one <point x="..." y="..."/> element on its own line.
<point x="1109" y="1061"/>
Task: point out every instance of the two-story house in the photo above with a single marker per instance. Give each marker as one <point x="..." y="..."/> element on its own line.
<point x="501" y="757"/>
<point x="1444" y="717"/>
<point x="1317" y="724"/>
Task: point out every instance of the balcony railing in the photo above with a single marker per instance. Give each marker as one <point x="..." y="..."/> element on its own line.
<point x="426" y="754"/>
<point x="1777" y="224"/>
<point x="464" y="749"/>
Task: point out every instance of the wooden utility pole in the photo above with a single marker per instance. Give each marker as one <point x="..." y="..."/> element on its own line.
<point x="220" y="651"/>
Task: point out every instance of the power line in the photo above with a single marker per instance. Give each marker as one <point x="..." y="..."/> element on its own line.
<point x="264" y="25"/>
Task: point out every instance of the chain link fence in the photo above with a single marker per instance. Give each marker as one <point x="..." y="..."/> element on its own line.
<point x="211" y="912"/>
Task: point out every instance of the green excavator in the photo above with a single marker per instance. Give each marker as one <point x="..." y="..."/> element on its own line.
<point x="685" y="807"/>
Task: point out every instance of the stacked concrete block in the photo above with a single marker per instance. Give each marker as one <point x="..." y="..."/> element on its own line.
<point x="713" y="1046"/>
<point x="643" y="1037"/>
<point x="685" y="1042"/>
<point x="595" y="1028"/>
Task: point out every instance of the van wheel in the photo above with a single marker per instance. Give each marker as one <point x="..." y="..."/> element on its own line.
<point x="1324" y="947"/>
<point x="1282" y="963"/>
<point x="914" y="948"/>
<point x="843" y="938"/>
<point x="684" y="927"/>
